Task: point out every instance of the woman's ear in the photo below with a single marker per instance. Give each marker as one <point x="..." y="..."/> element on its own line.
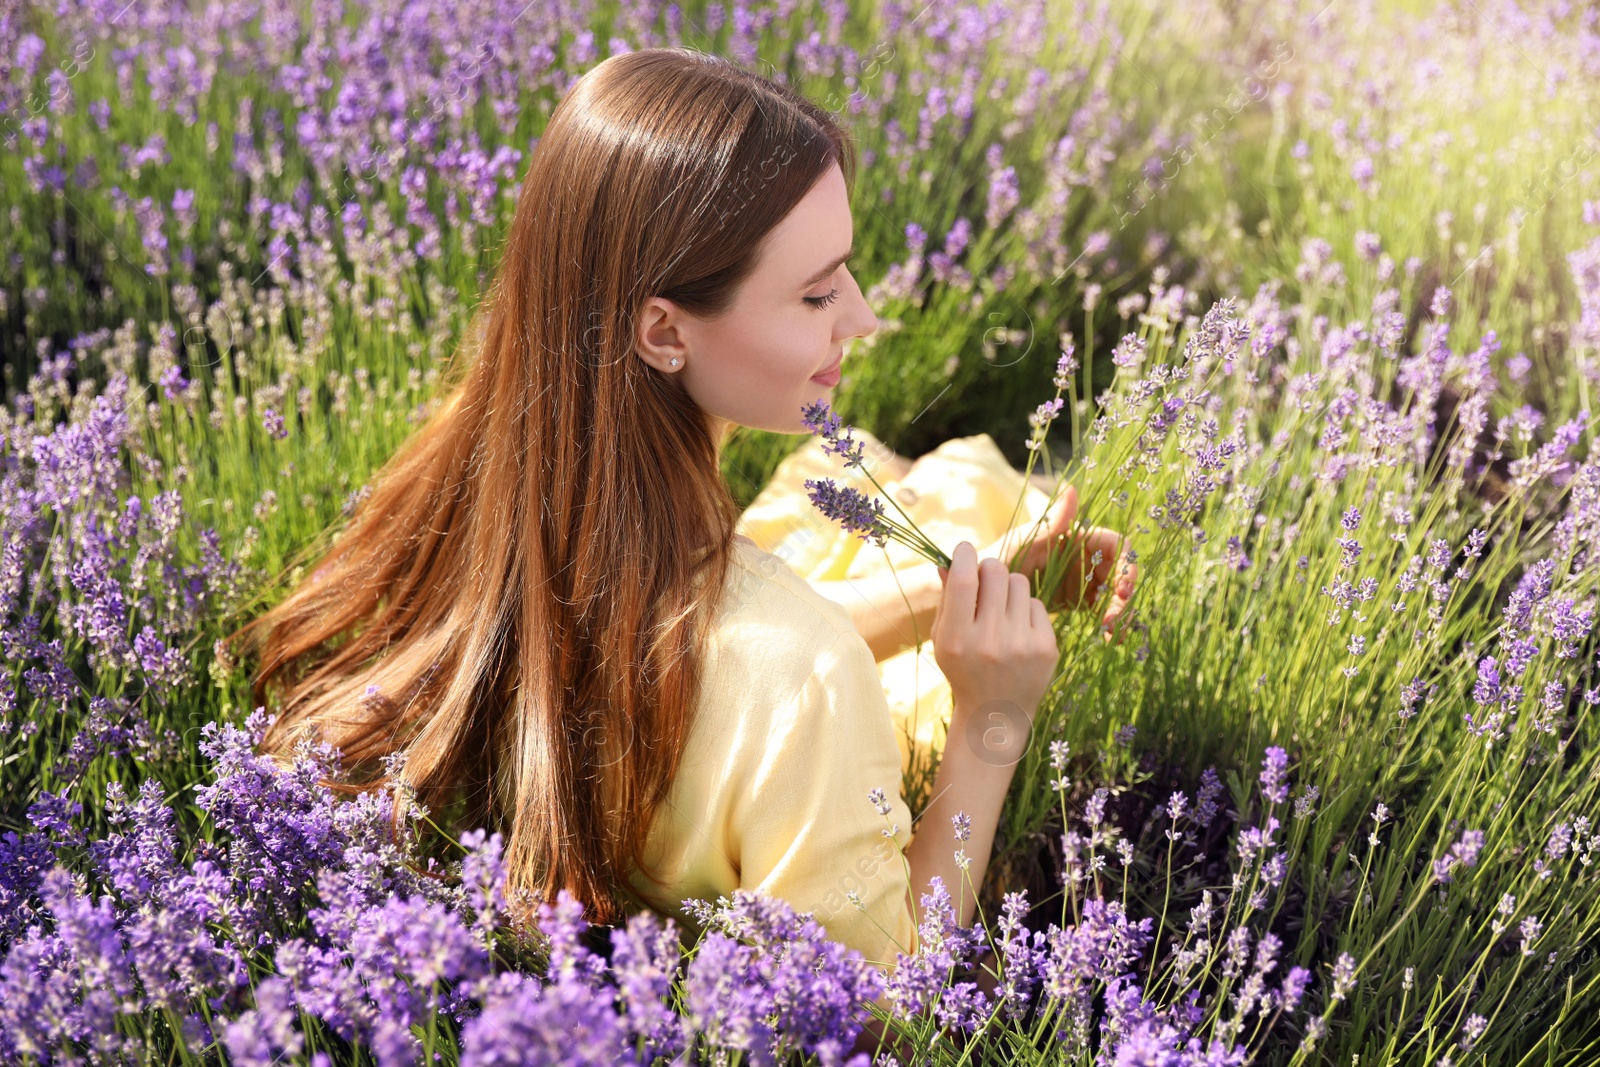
<point x="661" y="341"/>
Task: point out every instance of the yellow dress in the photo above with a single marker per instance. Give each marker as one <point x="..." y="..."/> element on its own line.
<point x="790" y="738"/>
<point x="795" y="725"/>
<point x="964" y="490"/>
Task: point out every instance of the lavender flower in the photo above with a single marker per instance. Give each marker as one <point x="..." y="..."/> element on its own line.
<point x="1021" y="955"/>
<point x="1463" y="853"/>
<point x="266" y="1035"/>
<point x="768" y="981"/>
<point x="823" y="421"/>
<point x="1273" y="784"/>
<point x="281" y="828"/>
<point x="1206" y="806"/>
<point x="544" y="1026"/>
<point x="848" y="506"/>
<point x="916" y="983"/>
<point x="879" y="800"/>
<point x="1294" y="987"/>
<point x="1344" y="977"/>
<point x="1094" y="809"/>
<point x="1040" y="421"/>
<point x="851" y="509"/>
<point x="1305" y="803"/>
<point x="1410" y="694"/>
<point x="963" y="825"/>
<point x="1487" y="689"/>
<point x="1177" y="804"/>
<point x="1098" y="950"/>
<point x="644" y="960"/>
<point x="1530" y="929"/>
<point x="1066" y="364"/>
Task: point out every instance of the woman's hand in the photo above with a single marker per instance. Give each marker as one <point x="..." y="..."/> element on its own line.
<point x="992" y="639"/>
<point x="1114" y="571"/>
<point x="997" y="648"/>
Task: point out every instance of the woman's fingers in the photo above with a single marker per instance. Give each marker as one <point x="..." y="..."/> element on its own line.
<point x="1116" y="604"/>
<point x="993" y="588"/>
<point x="1065" y="513"/>
<point x="1039" y="615"/>
<point x="1100" y="552"/>
<point x="961" y="584"/>
<point x="1095" y="561"/>
<point x="1061" y="517"/>
<point x="1018" y="596"/>
<point x="1117" y="621"/>
<point x="1117" y="613"/>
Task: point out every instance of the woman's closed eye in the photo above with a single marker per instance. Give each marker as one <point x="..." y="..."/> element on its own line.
<point x="822" y="301"/>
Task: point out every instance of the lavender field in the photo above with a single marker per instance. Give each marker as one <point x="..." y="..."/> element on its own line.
<point x="1305" y="297"/>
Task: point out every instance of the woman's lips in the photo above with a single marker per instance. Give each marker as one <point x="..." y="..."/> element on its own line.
<point x="831" y="375"/>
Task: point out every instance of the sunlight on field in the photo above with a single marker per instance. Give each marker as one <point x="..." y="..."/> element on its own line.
<point x="1317" y="286"/>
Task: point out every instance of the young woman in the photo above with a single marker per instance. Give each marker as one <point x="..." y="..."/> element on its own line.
<point x="542" y="603"/>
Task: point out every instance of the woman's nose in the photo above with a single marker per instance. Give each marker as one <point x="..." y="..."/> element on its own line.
<point x="866" y="321"/>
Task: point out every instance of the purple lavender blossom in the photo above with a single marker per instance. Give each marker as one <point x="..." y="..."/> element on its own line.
<point x="1235" y="558"/>
<point x="525" y="1023"/>
<point x="1021" y="955"/>
<point x="281" y="827"/>
<point x="1486" y="690"/>
<point x="1411" y="693"/>
<point x="772" y="982"/>
<point x="644" y="960"/>
<point x="1274" y="785"/>
<point x="851" y="508"/>
<point x="1344" y="976"/>
<point x="1003" y="196"/>
<point x="1067" y="364"/>
<point x="1094" y="809"/>
<point x="1349" y="552"/>
<point x="823" y="421"/>
<point x="1177" y="804"/>
<point x="917" y="981"/>
<point x="24" y="859"/>
<point x="1098" y="950"/>
<point x="266" y="1035"/>
<point x="1463" y="853"/>
<point x="1294" y="987"/>
<point x="1206" y="806"/>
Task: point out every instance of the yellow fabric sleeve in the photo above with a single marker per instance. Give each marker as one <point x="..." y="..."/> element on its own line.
<point x="804" y="826"/>
<point x="790" y="733"/>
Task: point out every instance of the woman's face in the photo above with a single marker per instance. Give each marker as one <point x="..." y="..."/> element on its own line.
<point x="778" y="346"/>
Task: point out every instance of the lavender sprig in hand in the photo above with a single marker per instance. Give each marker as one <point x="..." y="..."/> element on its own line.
<point x="851" y="508"/>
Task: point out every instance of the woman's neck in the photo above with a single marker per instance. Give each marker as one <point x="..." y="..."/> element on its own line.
<point x="721" y="431"/>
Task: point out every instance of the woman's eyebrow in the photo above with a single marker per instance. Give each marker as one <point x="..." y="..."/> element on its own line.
<point x="829" y="269"/>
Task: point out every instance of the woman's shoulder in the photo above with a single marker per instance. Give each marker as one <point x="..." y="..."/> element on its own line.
<point x="764" y="594"/>
<point x="779" y="654"/>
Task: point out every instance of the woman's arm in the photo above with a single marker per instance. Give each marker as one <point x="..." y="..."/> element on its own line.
<point x="970" y="781"/>
<point x="972" y="778"/>
<point x="893" y="610"/>
<point x="890" y="608"/>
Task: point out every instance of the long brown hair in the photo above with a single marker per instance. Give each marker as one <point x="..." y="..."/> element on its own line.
<point x="529" y="579"/>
